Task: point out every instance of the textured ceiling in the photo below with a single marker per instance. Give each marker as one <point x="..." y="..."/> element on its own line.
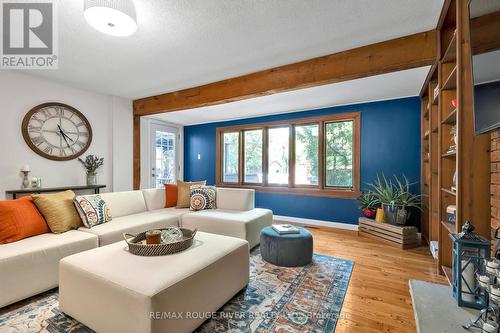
<point x="380" y="87"/>
<point x="185" y="43"/>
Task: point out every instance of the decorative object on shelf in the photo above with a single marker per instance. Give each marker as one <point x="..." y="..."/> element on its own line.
<point x="454" y="134"/>
<point x="171" y="234"/>
<point x="451" y="214"/>
<point x="469" y="250"/>
<point x="136" y="244"/>
<point x="379" y="217"/>
<point x="454" y="102"/>
<point x="368" y="203"/>
<point x="396" y="198"/>
<point x="455" y="176"/>
<point x="153" y="237"/>
<point x="91" y="164"/>
<point x="436" y="92"/>
<point x="25" y="170"/>
<point x="112" y="17"/>
<point x="56" y="131"/>
<point x="36" y="182"/>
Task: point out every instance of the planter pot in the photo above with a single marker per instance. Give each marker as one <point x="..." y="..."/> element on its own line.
<point x="396" y="215"/>
<point x="91" y="179"/>
<point x="369" y="213"/>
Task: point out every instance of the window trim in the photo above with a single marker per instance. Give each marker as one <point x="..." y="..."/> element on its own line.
<point x="291" y="188"/>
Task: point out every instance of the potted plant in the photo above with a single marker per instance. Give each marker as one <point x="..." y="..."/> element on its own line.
<point x="368" y="203"/>
<point x="91" y="164"/>
<point x="396" y="198"/>
<point x="406" y="200"/>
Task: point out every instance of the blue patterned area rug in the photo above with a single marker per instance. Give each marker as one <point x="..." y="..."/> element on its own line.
<point x="277" y="299"/>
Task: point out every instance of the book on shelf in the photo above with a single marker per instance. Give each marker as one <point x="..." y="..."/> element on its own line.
<point x="451" y="149"/>
<point x="284" y="229"/>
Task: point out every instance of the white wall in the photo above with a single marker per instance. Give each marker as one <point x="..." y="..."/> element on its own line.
<point x="109" y="116"/>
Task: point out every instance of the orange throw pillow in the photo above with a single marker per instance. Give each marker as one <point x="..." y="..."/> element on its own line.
<point x="20" y="219"/>
<point x="170" y="195"/>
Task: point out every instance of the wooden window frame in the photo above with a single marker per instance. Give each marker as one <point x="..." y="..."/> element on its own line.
<point x="321" y="189"/>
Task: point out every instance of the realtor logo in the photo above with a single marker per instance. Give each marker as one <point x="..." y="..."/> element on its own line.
<point x="29" y="35"/>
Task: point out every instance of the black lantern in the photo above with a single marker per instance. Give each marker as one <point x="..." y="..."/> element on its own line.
<point x="469" y="253"/>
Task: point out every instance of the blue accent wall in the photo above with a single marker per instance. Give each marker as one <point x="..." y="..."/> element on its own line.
<point x="390" y="144"/>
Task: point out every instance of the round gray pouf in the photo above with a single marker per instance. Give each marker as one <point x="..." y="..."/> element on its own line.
<point x="289" y="250"/>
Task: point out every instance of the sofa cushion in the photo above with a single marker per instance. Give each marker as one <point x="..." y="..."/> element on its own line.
<point x="154" y="198"/>
<point x="92" y="209"/>
<point x="125" y="203"/>
<point x="183" y="192"/>
<point x="242" y="224"/>
<point x="58" y="210"/>
<point x="112" y="232"/>
<point x="170" y="195"/>
<point x="173" y="211"/>
<point x="235" y="198"/>
<point x="202" y="197"/>
<point x="30" y="266"/>
<point x="20" y="219"/>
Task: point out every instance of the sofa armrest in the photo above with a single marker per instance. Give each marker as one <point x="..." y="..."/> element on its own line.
<point x="235" y="199"/>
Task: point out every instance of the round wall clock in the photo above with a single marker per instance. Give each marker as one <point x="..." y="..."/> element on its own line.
<point x="57" y="131"/>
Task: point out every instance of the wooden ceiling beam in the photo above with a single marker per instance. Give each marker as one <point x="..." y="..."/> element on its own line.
<point x="394" y="55"/>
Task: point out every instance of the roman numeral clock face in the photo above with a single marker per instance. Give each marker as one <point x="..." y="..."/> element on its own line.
<point x="57" y="131"/>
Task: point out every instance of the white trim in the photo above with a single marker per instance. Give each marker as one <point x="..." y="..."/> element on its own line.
<point x="318" y="223"/>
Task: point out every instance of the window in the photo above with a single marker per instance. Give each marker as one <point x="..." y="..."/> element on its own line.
<point x="253" y="156"/>
<point x="306" y="154"/>
<point x="278" y="155"/>
<point x="231" y="152"/>
<point x="310" y="156"/>
<point x="338" y="153"/>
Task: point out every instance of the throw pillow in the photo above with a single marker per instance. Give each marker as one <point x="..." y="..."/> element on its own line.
<point x="183" y="192"/>
<point x="202" y="197"/>
<point x="170" y="195"/>
<point x="92" y="210"/>
<point x="20" y="219"/>
<point x="58" y="210"/>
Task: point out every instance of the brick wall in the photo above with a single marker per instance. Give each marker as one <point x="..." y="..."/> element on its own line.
<point x="495" y="180"/>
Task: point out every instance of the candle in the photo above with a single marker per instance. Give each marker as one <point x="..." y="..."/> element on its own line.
<point x="490" y="327"/>
<point x="25" y="168"/>
<point x="468" y="282"/>
<point x="153" y="237"/>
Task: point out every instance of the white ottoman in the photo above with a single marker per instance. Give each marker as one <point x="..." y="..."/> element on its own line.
<point x="110" y="290"/>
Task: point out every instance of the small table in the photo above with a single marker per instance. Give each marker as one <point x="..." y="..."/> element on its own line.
<point x="15" y="193"/>
<point x="288" y="250"/>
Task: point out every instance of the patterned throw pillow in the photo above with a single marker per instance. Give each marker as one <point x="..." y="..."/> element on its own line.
<point x="92" y="209"/>
<point x="202" y="197"/>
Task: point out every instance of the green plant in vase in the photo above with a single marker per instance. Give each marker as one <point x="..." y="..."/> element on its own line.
<point x="91" y="164"/>
<point x="368" y="203"/>
<point x="396" y="198"/>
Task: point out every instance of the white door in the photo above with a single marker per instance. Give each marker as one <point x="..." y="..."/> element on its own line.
<point x="164" y="155"/>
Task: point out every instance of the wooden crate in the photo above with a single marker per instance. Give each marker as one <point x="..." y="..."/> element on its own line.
<point x="402" y="237"/>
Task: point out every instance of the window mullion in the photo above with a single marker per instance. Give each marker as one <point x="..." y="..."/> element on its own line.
<point x="321" y="155"/>
<point x="241" y="157"/>
<point x="291" y="157"/>
<point x="265" y="156"/>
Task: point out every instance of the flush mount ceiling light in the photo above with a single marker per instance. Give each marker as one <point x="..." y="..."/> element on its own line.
<point x="113" y="17"/>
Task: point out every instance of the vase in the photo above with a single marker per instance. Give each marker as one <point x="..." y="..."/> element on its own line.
<point x="91" y="179"/>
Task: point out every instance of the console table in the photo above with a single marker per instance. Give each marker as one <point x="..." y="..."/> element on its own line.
<point x="15" y="193"/>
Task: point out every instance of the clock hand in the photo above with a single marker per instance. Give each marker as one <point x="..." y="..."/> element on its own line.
<point x="64" y="134"/>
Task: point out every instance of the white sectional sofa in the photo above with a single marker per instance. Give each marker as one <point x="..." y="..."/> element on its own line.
<point x="30" y="266"/>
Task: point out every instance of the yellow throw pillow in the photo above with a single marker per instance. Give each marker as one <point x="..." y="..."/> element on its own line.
<point x="58" y="210"/>
<point x="183" y="195"/>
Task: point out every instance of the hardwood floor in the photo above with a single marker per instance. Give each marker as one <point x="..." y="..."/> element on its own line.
<point x="378" y="298"/>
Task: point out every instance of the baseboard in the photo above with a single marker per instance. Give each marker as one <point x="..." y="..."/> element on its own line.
<point x="314" y="223"/>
